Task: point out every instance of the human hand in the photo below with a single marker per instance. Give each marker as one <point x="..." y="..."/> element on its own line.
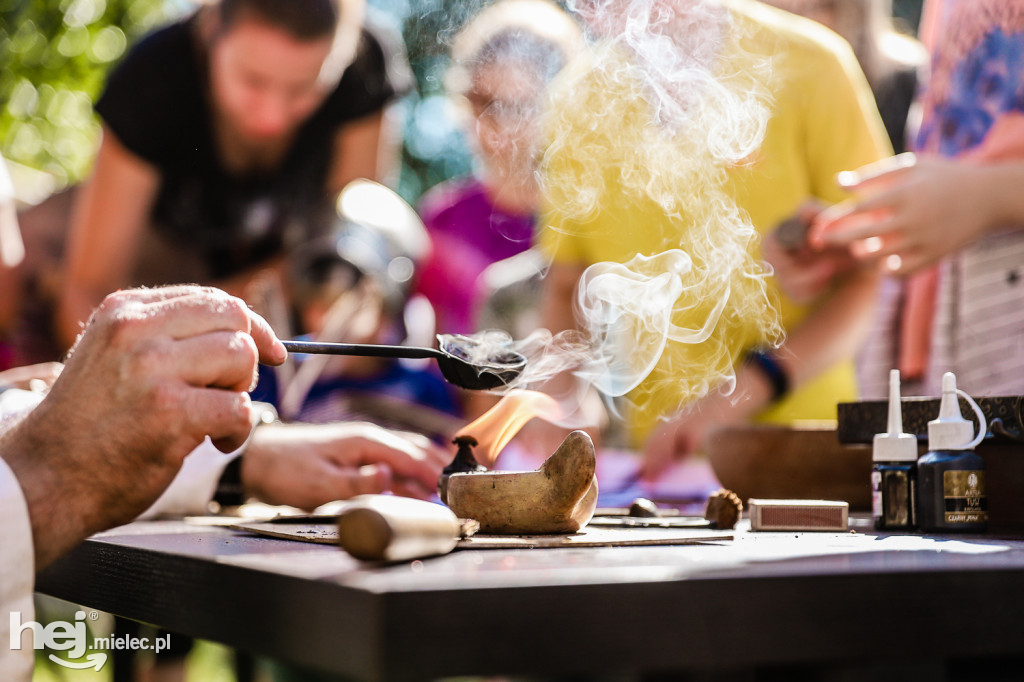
<point x="910" y="212"/>
<point x="803" y="272"/>
<point x="687" y="434"/>
<point x="306" y="465"/>
<point x="153" y="373"/>
<point x="29" y="377"/>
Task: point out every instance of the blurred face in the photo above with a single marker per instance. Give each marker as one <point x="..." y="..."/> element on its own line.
<point x="265" y="83"/>
<point x="505" y="102"/>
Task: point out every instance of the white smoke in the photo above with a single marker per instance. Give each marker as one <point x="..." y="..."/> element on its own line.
<point x="642" y="135"/>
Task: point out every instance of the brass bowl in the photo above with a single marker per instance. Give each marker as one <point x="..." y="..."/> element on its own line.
<point x="780" y="462"/>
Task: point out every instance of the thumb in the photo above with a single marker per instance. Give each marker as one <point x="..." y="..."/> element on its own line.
<point x="366" y="480"/>
<point x="883" y="171"/>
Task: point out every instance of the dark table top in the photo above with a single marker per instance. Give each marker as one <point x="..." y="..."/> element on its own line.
<point x="760" y="600"/>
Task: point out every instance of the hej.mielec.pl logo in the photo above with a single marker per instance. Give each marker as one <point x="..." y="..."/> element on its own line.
<point x="73" y="638"/>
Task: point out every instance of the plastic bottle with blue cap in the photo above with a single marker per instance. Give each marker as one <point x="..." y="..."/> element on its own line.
<point x="894" y="472"/>
<point x="951" y="476"/>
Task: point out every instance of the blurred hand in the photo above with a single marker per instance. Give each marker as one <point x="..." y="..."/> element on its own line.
<point x="909" y="212"/>
<point x="803" y="272"/>
<point x="154" y="372"/>
<point x="29" y="377"/>
<point x="687" y="434"/>
<point x="306" y="465"/>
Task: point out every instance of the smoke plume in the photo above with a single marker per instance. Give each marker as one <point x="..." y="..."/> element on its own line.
<point x="641" y="135"/>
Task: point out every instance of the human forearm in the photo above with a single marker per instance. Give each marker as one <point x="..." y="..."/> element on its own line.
<point x="10" y="284"/>
<point x="12" y="252"/>
<point x="996" y="192"/>
<point x="559" y="292"/>
<point x="833" y="332"/>
<point x="62" y="511"/>
<point x="359" y="152"/>
<point x="108" y="217"/>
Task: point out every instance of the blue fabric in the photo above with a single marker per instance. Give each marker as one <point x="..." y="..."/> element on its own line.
<point x="324" y="401"/>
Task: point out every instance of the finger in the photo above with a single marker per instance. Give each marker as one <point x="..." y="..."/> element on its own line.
<point x="809" y="210"/>
<point x="436" y="455"/>
<point x="411" y="488"/>
<point x="872" y="218"/>
<point x="22" y="377"/>
<point x="880" y="249"/>
<point x="880" y="202"/>
<point x="886" y="170"/>
<point x="234" y="314"/>
<point x="271" y="350"/>
<point x="191" y="311"/>
<point x="128" y="315"/>
<point x="908" y="263"/>
<point x="147" y="295"/>
<point x="823" y="221"/>
<point x="405" y="457"/>
<point x="224" y="416"/>
<point x="888" y="240"/>
<point x="366" y="480"/>
<point x="219" y="360"/>
<point x="412" y="466"/>
<point x="200" y="313"/>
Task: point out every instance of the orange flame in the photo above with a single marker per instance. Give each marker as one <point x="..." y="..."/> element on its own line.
<point x="498" y="425"/>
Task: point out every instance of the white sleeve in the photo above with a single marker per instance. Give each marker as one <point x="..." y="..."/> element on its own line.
<point x="17" y="576"/>
<point x="192" y="489"/>
<point x="15" y="403"/>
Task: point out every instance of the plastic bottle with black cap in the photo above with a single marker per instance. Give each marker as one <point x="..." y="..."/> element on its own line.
<point x="894" y="472"/>
<point x="951" y="476"/>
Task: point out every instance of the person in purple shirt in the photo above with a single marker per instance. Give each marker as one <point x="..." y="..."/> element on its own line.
<point x="502" y="62"/>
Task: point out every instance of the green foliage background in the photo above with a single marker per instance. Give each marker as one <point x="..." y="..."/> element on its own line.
<point x="54" y="56"/>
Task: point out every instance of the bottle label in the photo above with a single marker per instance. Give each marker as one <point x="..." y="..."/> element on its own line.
<point x="964" y="493"/>
<point x="897" y="498"/>
<point x="876" y="494"/>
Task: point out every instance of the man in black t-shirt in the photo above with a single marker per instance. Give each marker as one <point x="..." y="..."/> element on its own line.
<point x="226" y="138"/>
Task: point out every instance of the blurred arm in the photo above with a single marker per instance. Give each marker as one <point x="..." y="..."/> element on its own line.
<point x="12" y="252"/>
<point x="109" y="216"/>
<point x="360" y="152"/>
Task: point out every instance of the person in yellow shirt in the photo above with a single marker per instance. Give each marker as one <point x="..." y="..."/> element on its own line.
<point x="641" y="164"/>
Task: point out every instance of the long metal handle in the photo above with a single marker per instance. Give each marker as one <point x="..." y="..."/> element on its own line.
<point x="364" y="349"/>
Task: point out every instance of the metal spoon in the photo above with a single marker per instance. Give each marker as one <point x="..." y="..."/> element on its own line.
<point x="457" y="368"/>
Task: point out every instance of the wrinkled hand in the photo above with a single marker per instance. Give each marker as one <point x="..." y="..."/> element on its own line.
<point x="910" y="212"/>
<point x="306" y="465"/>
<point x="154" y="372"/>
<point x="804" y="272"/>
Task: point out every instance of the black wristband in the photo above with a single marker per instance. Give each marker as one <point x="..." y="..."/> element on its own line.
<point x="774" y="372"/>
<point x="230" y="492"/>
